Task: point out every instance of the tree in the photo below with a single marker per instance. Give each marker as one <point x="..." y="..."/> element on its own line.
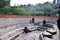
<point x="2" y="3"/>
<point x="7" y="2"/>
<point x="28" y="10"/>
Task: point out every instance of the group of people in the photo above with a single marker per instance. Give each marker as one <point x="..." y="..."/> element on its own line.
<point x="32" y="20"/>
<point x="26" y="30"/>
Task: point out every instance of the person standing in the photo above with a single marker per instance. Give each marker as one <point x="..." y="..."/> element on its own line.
<point x="33" y="20"/>
<point x="30" y="21"/>
<point x="44" y="22"/>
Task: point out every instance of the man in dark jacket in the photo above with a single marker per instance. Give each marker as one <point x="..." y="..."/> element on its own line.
<point x="44" y="22"/>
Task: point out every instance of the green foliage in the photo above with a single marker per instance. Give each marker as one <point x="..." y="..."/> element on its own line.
<point x="27" y="10"/>
<point x="2" y="3"/>
<point x="20" y="11"/>
<point x="6" y="10"/>
<point x="46" y="8"/>
<point x="12" y="10"/>
<point x="39" y="9"/>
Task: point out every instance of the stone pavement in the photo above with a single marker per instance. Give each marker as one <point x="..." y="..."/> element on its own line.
<point x="31" y="35"/>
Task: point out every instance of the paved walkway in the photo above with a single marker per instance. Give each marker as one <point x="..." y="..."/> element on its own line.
<point x="29" y="36"/>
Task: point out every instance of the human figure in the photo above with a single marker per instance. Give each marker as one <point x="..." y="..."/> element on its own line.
<point x="30" y="21"/>
<point x="33" y="20"/>
<point x="58" y="24"/>
<point x="44" y="22"/>
<point x="26" y="30"/>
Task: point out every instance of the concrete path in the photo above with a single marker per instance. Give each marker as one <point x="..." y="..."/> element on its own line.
<point x="30" y="36"/>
